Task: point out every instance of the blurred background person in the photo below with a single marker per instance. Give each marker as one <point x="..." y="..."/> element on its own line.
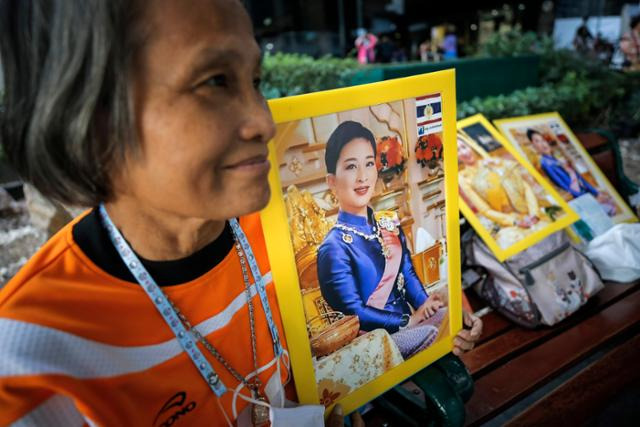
<point x="365" y="45"/>
<point x="630" y="44"/>
<point x="385" y="49"/>
<point x="583" y="41"/>
<point x="450" y="43"/>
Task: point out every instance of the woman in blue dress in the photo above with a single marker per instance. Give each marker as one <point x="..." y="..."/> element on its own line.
<point x="364" y="266"/>
<point x="564" y="176"/>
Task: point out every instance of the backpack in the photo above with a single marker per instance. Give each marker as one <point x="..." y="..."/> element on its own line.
<point x="543" y="284"/>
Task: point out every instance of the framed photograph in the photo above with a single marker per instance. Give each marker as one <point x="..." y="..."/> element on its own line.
<point x="548" y="144"/>
<point x="362" y="234"/>
<point x="504" y="198"/>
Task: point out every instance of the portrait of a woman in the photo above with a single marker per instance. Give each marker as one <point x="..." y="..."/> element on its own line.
<point x="364" y="266"/>
<point x="563" y="174"/>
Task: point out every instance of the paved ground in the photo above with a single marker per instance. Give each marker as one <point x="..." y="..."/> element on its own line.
<point x="18" y="238"/>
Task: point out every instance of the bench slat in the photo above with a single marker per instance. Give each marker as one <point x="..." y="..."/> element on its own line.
<point x="592" y="141"/>
<point x="606" y="161"/>
<point x="585" y="395"/>
<point x="493" y="325"/>
<point x="503" y="386"/>
<point x="494" y="349"/>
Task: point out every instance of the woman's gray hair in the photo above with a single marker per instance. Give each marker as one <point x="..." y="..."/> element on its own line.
<point x="67" y="114"/>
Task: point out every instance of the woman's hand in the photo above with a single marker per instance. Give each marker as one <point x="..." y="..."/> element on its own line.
<point x="432" y="305"/>
<point x="336" y="418"/>
<point x="426" y="310"/>
<point x="416" y="317"/>
<point x="466" y="338"/>
<point x="528" y="221"/>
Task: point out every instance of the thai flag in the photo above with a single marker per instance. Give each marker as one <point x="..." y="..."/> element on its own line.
<point x="429" y="114"/>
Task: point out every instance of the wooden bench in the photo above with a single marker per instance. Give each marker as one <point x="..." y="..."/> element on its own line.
<point x="604" y="150"/>
<point x="567" y="373"/>
<point x="510" y="364"/>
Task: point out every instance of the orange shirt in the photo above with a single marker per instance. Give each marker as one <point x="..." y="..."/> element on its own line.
<point x="79" y="346"/>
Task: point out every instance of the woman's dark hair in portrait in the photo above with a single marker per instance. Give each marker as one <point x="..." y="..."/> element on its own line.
<point x="67" y="116"/>
<point x="341" y="136"/>
<point x="531" y="132"/>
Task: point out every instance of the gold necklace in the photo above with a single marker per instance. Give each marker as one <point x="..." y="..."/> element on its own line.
<point x="259" y="413"/>
<point x="347" y="238"/>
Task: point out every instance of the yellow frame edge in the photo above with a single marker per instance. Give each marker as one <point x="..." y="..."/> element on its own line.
<point x="630" y="216"/>
<point x="500" y="253"/>
<point x="275" y="226"/>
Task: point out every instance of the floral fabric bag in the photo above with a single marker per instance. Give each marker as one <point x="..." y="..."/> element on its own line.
<point x="543" y="284"/>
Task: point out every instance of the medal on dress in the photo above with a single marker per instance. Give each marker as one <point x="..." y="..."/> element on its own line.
<point x="386" y="251"/>
<point x="387" y="224"/>
<point x="400" y="283"/>
<point x="348" y="238"/>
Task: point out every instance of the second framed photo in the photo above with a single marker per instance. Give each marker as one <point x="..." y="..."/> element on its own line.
<point x="548" y="143"/>
<point x="362" y="234"/>
<point x="506" y="200"/>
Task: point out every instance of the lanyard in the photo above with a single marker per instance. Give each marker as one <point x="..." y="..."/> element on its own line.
<point x="257" y="276"/>
<point x="169" y="315"/>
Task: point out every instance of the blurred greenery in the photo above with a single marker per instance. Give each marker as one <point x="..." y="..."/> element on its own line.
<point x="586" y="92"/>
<point x="287" y="74"/>
<point x="514" y="43"/>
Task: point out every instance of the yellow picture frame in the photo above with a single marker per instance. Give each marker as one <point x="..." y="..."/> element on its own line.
<point x="545" y="119"/>
<point x="530" y="238"/>
<point x="281" y="250"/>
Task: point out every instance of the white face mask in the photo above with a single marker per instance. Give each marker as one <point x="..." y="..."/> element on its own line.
<point x="303" y="416"/>
<point x="282" y="412"/>
<point x="274" y="388"/>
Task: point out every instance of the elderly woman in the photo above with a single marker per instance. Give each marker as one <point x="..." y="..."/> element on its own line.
<point x="156" y="306"/>
<point x="151" y="113"/>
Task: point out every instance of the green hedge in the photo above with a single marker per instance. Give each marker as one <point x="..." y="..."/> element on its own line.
<point x="574" y="97"/>
<point x="612" y="102"/>
<point x="586" y="92"/>
<point x="515" y="43"/>
<point x="285" y="74"/>
<point x="475" y="76"/>
<point x="294" y="74"/>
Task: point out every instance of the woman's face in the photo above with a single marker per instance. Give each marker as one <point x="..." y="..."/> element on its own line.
<point x="355" y="177"/>
<point x="465" y="153"/>
<point x="202" y="123"/>
<point x="540" y="144"/>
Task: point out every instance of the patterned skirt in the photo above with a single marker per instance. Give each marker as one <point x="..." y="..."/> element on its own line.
<point x="415" y="339"/>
